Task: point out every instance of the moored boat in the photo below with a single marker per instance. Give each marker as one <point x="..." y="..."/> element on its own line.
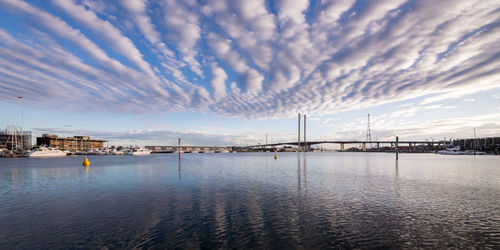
<point x="117" y="152"/>
<point x="139" y="151"/>
<point x="46" y="152"/>
<point x="451" y="151"/>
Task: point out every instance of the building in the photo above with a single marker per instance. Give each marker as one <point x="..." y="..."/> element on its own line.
<point x="488" y="144"/>
<point x="12" y="138"/>
<point x="75" y="143"/>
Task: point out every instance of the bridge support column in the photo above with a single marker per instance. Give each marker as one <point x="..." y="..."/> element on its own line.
<point x="364" y="146"/>
<point x="342" y="146"/>
<point x="378" y="145"/>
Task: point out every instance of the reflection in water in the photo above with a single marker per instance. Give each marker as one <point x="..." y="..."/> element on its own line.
<point x="328" y="200"/>
<point x="305" y="172"/>
<point x="397" y="188"/>
<point x="302" y="172"/>
<point x="299" y="183"/>
<point x="397" y="169"/>
<point x="179" y="167"/>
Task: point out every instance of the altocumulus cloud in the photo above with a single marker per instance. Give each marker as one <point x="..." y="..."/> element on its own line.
<point x="246" y="58"/>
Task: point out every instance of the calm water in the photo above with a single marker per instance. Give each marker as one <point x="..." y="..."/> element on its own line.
<point x="250" y="200"/>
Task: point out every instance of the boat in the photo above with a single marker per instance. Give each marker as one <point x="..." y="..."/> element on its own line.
<point x="451" y="151"/>
<point x="91" y="152"/>
<point x="13" y="153"/>
<point x="116" y="152"/>
<point x="139" y="151"/>
<point x="103" y="151"/>
<point x="46" y="152"/>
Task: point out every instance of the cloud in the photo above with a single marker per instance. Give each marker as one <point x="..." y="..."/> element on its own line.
<point x="218" y="82"/>
<point x="107" y="31"/>
<point x="249" y="59"/>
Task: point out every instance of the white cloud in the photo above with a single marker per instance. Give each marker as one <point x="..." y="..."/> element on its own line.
<point x="139" y="12"/>
<point x="239" y="58"/>
<point x="107" y="31"/>
<point x="218" y="82"/>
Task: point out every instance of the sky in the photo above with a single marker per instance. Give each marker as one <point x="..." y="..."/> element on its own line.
<point x="228" y="72"/>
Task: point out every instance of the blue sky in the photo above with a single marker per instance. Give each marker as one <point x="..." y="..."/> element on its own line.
<point x="228" y="72"/>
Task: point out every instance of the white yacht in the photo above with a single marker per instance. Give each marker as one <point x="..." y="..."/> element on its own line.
<point x="451" y="151"/>
<point x="46" y="152"/>
<point x="139" y="151"/>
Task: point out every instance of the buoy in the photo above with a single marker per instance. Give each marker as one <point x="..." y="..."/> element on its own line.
<point x="275" y="156"/>
<point x="86" y="162"/>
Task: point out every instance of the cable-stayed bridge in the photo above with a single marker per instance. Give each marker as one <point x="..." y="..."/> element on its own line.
<point x="342" y="143"/>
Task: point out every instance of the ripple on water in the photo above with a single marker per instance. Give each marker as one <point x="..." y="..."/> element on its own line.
<point x="313" y="200"/>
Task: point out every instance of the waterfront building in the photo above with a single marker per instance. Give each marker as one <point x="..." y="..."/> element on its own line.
<point x="488" y="144"/>
<point x="13" y="138"/>
<point x="75" y="143"/>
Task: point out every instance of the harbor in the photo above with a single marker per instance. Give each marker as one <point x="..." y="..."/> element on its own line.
<point x="249" y="124"/>
<point x="17" y="143"/>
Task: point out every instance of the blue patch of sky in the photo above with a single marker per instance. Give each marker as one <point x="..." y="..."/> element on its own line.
<point x="354" y="11"/>
<point x="13" y="23"/>
<point x="310" y="12"/>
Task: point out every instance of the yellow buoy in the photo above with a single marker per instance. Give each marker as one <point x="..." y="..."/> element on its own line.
<point x="86" y="162"/>
<point x="275" y="157"/>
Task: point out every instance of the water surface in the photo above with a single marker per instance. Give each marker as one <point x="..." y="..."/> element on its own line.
<point x="250" y="200"/>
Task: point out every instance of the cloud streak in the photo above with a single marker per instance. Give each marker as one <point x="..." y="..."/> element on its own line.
<point x="248" y="59"/>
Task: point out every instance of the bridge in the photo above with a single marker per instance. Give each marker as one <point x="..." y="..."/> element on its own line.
<point x="344" y="142"/>
<point x="306" y="144"/>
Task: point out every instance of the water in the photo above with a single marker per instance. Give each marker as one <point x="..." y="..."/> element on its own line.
<point x="250" y="200"/>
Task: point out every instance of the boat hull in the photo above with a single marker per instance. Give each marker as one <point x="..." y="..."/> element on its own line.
<point x="139" y="153"/>
<point x="44" y="154"/>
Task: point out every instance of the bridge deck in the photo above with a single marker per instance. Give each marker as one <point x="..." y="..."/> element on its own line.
<point x="309" y="143"/>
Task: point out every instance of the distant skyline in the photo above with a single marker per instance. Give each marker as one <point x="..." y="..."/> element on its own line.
<point x="227" y="72"/>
